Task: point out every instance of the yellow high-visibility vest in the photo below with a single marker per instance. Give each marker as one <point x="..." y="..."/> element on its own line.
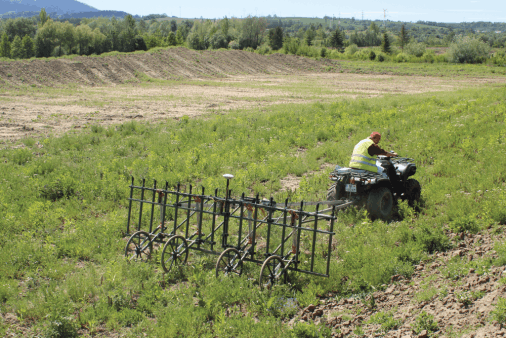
<point x="361" y="158"/>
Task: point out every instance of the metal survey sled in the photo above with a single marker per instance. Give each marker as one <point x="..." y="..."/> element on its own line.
<point x="280" y="237"/>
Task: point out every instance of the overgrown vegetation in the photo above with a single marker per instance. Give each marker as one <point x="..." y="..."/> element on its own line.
<point x="63" y="205"/>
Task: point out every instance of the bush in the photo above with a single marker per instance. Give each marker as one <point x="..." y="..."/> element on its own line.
<point x="468" y="50"/>
<point x="323" y="52"/>
<point x="499" y="58"/>
<point x="402" y="57"/>
<point x="233" y="44"/>
<point x="262" y="50"/>
<point x="372" y="55"/>
<point x="61" y="327"/>
<point x="429" y="56"/>
<point x="415" y="48"/>
<point x="218" y="41"/>
<point x="465" y="224"/>
<point x="351" y="49"/>
<point x="381" y="57"/>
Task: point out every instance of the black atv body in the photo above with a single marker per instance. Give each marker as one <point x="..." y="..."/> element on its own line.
<point x="378" y="192"/>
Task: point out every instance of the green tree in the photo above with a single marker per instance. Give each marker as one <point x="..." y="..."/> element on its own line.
<point x="5" y="46"/>
<point x="385" y="44"/>
<point x="173" y="26"/>
<point x="276" y="38"/>
<point x="84" y="36"/>
<point x="373" y="27"/>
<point x="27" y="46"/>
<point x="45" y="39"/>
<point x="17" y="48"/>
<point x="21" y="27"/>
<point x="336" y="39"/>
<point x="309" y="35"/>
<point x="171" y="39"/>
<point x="66" y="36"/>
<point x="403" y="37"/>
<point x="179" y="37"/>
<point x="43" y="17"/>
<point x="225" y="26"/>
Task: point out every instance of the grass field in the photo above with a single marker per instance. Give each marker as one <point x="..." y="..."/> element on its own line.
<point x="63" y="208"/>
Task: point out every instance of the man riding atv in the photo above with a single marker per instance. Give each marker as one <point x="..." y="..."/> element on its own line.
<point x="364" y="152"/>
<point x="375" y="184"/>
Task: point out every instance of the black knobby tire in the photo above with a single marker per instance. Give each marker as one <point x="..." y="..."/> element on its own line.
<point x="335" y="191"/>
<point x="380" y="204"/>
<point x="413" y="191"/>
<point x="229" y="263"/>
<point x="139" y="247"/>
<point x="272" y="271"/>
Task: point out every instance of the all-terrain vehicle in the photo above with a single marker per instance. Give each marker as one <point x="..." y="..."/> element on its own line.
<point x="377" y="192"/>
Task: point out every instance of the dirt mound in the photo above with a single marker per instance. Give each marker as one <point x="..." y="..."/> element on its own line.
<point x="457" y="300"/>
<point x="175" y="63"/>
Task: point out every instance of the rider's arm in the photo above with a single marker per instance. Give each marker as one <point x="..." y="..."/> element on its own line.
<point x="374" y="149"/>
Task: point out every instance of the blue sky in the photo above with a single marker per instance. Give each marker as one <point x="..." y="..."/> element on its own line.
<point x="428" y="10"/>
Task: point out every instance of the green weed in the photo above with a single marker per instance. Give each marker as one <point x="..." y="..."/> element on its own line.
<point x="425" y="321"/>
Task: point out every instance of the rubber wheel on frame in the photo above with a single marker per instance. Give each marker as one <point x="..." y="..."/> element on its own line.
<point x="175" y="253"/>
<point x="273" y="270"/>
<point x="229" y="263"/>
<point x="413" y="191"/>
<point x="380" y="203"/>
<point x="139" y="247"/>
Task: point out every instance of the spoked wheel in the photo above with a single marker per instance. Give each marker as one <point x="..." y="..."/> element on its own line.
<point x="273" y="270"/>
<point x="229" y="263"/>
<point x="139" y="247"/>
<point x="175" y="253"/>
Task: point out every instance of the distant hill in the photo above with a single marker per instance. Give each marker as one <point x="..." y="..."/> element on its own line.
<point x="61" y="9"/>
<point x="52" y="6"/>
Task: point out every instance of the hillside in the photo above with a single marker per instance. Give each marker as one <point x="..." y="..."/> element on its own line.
<point x="51" y="6"/>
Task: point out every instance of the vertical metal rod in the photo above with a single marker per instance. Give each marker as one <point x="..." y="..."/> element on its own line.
<point x="164" y="206"/>
<point x="201" y="214"/>
<point x="176" y="208"/>
<point x="226" y="214"/>
<point x="254" y="241"/>
<point x="152" y="208"/>
<point x="213" y="224"/>
<point x="284" y="230"/>
<point x="188" y="212"/>
<point x="330" y="239"/>
<point x="269" y="224"/>
<point x="298" y="235"/>
<point x="130" y="205"/>
<point x="240" y="223"/>
<point x="314" y="235"/>
<point x="142" y="203"/>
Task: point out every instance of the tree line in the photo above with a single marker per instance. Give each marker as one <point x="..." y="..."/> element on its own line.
<point x="42" y="36"/>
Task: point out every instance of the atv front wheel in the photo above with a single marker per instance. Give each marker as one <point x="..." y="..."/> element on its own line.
<point x="380" y="203"/>
<point x="413" y="191"/>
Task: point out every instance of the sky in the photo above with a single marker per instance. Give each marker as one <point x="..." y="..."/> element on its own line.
<point x="405" y="10"/>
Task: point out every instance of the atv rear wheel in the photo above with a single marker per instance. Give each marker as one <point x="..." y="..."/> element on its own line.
<point x="335" y="192"/>
<point x="413" y="191"/>
<point x="380" y="203"/>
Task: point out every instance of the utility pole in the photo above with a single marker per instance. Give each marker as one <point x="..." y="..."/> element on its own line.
<point x="384" y="17"/>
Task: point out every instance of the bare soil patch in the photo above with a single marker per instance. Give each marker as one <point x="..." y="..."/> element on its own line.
<point x="405" y="299"/>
